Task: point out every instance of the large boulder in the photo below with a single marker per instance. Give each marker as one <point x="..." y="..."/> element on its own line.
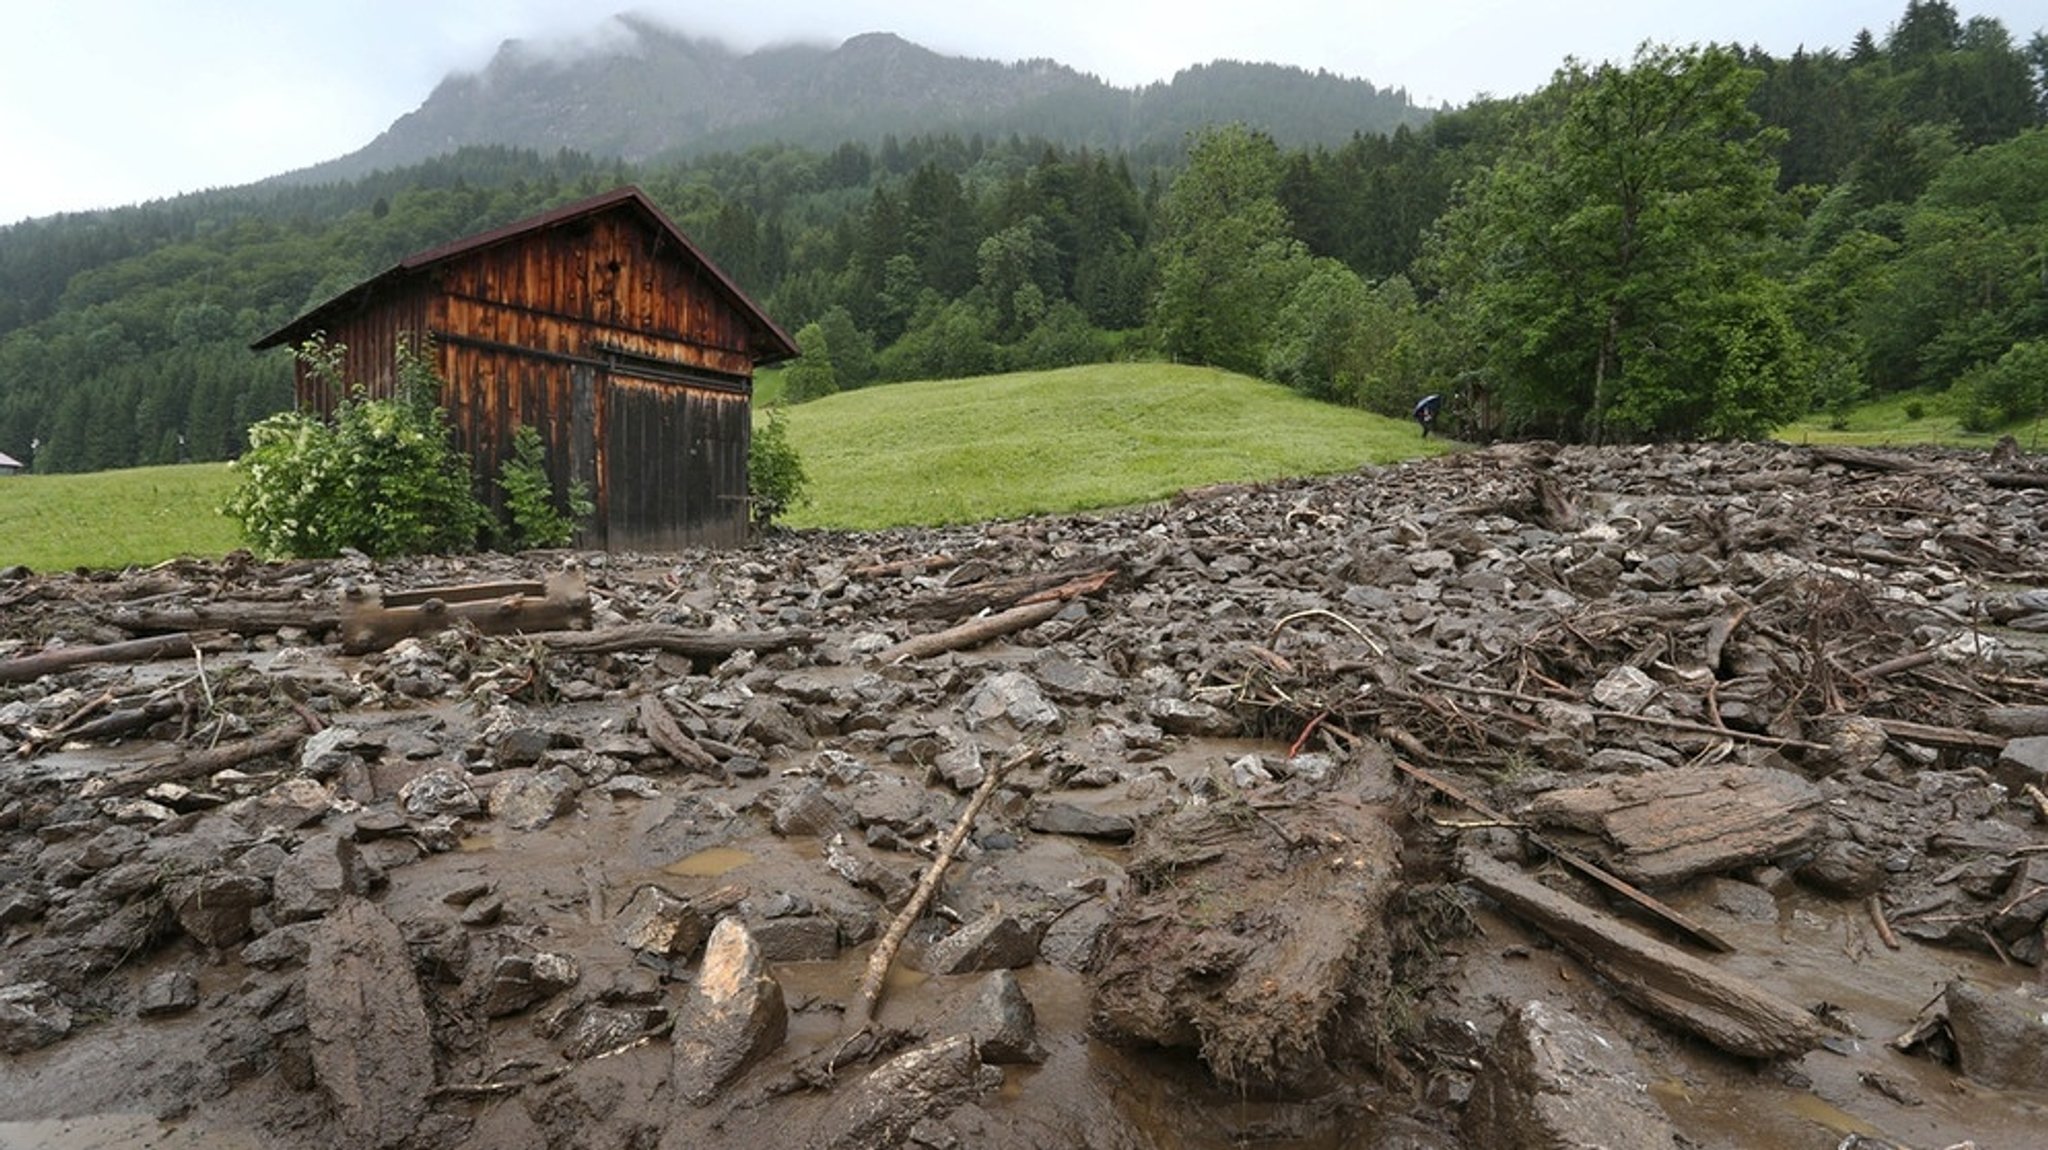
<point x="372" y="1049"/>
<point x="1550" y="1082"/>
<point x="735" y="1016"/>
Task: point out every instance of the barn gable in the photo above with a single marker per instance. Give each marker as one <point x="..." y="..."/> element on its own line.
<point x="600" y="324"/>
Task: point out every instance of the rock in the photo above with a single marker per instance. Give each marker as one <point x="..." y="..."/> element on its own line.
<point x="517" y="981"/>
<point x="324" y="870"/>
<point x="441" y="791"/>
<point x="372" y="1049"/>
<point x="214" y="908"/>
<point x="1672" y="825"/>
<point x="1549" y="1081"/>
<point x="172" y="992"/>
<point x="797" y="938"/>
<point x="1231" y="941"/>
<point x="1073" y="682"/>
<point x="1189" y="717"/>
<point x="2024" y="761"/>
<point x="1053" y="817"/>
<point x="1844" y="869"/>
<point x="1626" y="688"/>
<point x="1012" y="697"/>
<point x="2023" y="900"/>
<point x="811" y="812"/>
<point x="991" y="942"/>
<point x="734" y="1016"/>
<point x="662" y="924"/>
<point x="923" y="1083"/>
<point x="31" y="1017"/>
<point x="1000" y="1020"/>
<point x="2001" y="1037"/>
<point x="531" y="801"/>
<point x="287" y="806"/>
<point x="281" y="947"/>
<point x="326" y="752"/>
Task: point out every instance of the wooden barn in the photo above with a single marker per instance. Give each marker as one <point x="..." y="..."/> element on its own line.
<point x="599" y="324"/>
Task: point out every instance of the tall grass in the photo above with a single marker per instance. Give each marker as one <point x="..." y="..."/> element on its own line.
<point x="955" y="451"/>
<point x="115" y="518"/>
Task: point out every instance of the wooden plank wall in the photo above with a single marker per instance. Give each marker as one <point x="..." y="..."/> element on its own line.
<point x="516" y="323"/>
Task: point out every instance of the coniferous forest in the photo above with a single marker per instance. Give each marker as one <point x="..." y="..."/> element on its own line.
<point x="1699" y="241"/>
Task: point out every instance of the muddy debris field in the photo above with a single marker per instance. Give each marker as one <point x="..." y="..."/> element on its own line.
<point x="1534" y="796"/>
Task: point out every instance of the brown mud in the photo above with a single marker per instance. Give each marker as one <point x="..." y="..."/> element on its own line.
<point x="1793" y="699"/>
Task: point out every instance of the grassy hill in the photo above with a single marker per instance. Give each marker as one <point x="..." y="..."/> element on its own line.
<point x="954" y="451"/>
<point x="115" y="518"/>
<point x="947" y="451"/>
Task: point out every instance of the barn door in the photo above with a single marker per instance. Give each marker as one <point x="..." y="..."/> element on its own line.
<point x="583" y="450"/>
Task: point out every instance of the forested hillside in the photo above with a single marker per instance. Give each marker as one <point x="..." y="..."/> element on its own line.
<point x="1699" y="241"/>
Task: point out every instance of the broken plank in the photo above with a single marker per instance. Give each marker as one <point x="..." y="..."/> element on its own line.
<point x="1725" y="1009"/>
<point x="1649" y="903"/>
<point x="672" y="639"/>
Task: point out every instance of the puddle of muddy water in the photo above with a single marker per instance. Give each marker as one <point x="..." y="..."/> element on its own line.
<point x="709" y="863"/>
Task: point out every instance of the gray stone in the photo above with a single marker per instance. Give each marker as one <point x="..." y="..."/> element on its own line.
<point x="1844" y="869"/>
<point x="797" y="938"/>
<point x="1190" y="717"/>
<point x="961" y="766"/>
<point x="891" y="801"/>
<point x="1053" y="817"/>
<point x="172" y="992"/>
<point x="326" y="752"/>
<point x="214" y="908"/>
<point x="2023" y="900"/>
<point x="372" y="1049"/>
<point x="1013" y="697"/>
<point x="1072" y="682"/>
<point x="924" y="1083"/>
<point x="287" y="806"/>
<point x="313" y="881"/>
<point x="1000" y="1020"/>
<point x="1627" y="688"/>
<point x="2024" y="761"/>
<point x="1746" y="902"/>
<point x="441" y="791"/>
<point x="2001" y="1038"/>
<point x="531" y="801"/>
<point x="734" y="1017"/>
<point x="991" y="942"/>
<point x="659" y="923"/>
<point x="31" y="1017"/>
<point x="1550" y="1082"/>
<point x="517" y="981"/>
<point x="281" y="947"/>
<point x="810" y="812"/>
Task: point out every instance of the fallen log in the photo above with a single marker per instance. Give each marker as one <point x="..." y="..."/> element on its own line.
<point x="665" y="733"/>
<point x="372" y="621"/>
<point x="938" y="562"/>
<point x="2015" y="721"/>
<point x="2016" y="480"/>
<point x="254" y="618"/>
<point x="1866" y="459"/>
<point x="194" y="764"/>
<point x="672" y="639"/>
<point x="64" y="658"/>
<point x="1725" y="1009"/>
<point x="972" y="633"/>
<point x="860" y="1013"/>
<point x="992" y="594"/>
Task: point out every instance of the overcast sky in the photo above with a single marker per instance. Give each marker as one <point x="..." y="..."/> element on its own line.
<point x="110" y="102"/>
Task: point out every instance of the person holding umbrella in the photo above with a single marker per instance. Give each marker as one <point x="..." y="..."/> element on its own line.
<point x="1425" y="411"/>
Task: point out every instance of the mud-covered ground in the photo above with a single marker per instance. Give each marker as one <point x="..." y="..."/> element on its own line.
<point x="1263" y="767"/>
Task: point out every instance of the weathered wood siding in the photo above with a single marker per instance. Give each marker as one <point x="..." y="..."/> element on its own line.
<point x="602" y="335"/>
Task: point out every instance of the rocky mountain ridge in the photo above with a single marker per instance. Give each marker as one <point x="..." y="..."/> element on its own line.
<point x="653" y="92"/>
